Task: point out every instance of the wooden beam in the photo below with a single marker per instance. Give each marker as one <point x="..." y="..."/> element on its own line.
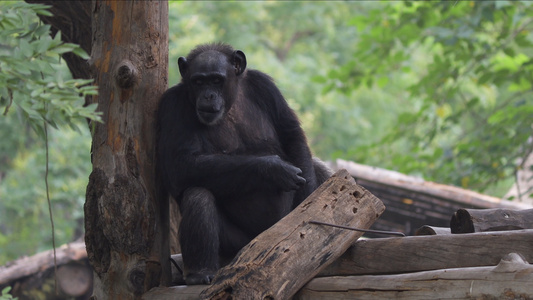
<point x="511" y="279"/>
<point x="432" y="252"/>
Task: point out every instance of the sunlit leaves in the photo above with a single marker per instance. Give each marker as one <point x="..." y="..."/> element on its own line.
<point x="472" y="109"/>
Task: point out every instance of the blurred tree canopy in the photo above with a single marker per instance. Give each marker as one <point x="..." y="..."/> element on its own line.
<point x="436" y="89"/>
<point x="466" y="73"/>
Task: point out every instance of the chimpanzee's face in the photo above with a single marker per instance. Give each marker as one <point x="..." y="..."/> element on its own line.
<point x="206" y="81"/>
<point x="212" y="79"/>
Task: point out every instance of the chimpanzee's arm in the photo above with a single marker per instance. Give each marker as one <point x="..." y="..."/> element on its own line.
<point x="234" y="174"/>
<point x="291" y="136"/>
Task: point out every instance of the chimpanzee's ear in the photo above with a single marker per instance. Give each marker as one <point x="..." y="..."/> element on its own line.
<point x="239" y="62"/>
<point x="183" y="65"/>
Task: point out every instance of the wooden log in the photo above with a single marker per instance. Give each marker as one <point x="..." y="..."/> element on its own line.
<point x="423" y="253"/>
<point x="277" y="263"/>
<point x="432" y="230"/>
<point x="497" y="219"/>
<point x="39" y="262"/>
<point x="33" y="277"/>
<point x="511" y="279"/>
<point x="451" y="194"/>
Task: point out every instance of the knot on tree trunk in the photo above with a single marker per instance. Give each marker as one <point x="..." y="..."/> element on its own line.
<point x="126" y="74"/>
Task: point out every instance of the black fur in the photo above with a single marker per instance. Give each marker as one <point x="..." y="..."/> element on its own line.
<point x="232" y="153"/>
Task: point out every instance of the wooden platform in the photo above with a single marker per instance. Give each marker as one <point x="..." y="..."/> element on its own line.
<point x="458" y="266"/>
<point x="487" y="265"/>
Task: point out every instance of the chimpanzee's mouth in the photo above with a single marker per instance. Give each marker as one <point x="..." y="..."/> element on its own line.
<point x="210" y="117"/>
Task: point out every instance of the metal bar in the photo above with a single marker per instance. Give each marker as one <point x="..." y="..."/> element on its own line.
<point x="358" y="229"/>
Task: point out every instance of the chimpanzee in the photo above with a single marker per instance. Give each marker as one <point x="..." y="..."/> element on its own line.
<point x="232" y="153"/>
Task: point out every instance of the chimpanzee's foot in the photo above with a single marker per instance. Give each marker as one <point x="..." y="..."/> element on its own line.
<point x="203" y="277"/>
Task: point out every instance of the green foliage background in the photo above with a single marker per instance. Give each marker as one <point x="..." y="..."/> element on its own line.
<point x="440" y="90"/>
<point x="37" y="95"/>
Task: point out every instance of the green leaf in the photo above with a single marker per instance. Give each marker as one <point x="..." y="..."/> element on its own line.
<point x="382" y="81"/>
<point x="25" y="48"/>
<point x="485" y="78"/>
<point x="81" y="53"/>
<point x="522" y="86"/>
<point x="63" y="48"/>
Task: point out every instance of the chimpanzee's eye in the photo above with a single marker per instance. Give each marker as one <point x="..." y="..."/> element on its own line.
<point x="216" y="80"/>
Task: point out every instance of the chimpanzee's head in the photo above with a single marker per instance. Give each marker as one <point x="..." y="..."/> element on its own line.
<point x="212" y="74"/>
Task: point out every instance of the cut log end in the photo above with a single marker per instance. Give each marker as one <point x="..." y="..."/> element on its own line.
<point x="74" y="279"/>
<point x="461" y="222"/>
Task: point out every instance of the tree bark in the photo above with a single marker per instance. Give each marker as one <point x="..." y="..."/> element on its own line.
<point x="278" y="262"/>
<point x="126" y="213"/>
<point x="480" y="220"/>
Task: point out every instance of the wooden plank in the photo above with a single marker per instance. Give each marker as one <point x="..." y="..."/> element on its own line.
<point x="422" y="253"/>
<point x="277" y="263"/>
<point x="478" y="220"/>
<point x="511" y="279"/>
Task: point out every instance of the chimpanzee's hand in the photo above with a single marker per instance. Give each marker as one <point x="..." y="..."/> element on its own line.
<point x="284" y="175"/>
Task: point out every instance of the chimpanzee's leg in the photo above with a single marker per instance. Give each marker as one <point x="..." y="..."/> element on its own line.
<point x="231" y="238"/>
<point x="199" y="235"/>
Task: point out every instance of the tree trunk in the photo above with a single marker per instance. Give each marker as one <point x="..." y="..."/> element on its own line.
<point x="126" y="214"/>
